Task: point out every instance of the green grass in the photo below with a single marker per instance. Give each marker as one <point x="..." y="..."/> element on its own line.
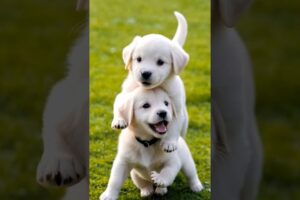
<point x="35" y="39"/>
<point x="113" y="24"/>
<point x="271" y="32"/>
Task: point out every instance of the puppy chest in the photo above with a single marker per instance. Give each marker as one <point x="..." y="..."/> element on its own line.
<point x="148" y="160"/>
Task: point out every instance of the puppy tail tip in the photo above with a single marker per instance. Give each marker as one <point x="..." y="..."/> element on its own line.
<point x="181" y="31"/>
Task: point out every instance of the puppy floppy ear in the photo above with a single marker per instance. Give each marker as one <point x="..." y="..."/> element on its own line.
<point x="126" y="109"/>
<point x="231" y="10"/>
<point x="179" y="57"/>
<point x="128" y="50"/>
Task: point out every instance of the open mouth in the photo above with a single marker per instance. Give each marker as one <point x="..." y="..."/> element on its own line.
<point x="160" y="127"/>
<point x="145" y="83"/>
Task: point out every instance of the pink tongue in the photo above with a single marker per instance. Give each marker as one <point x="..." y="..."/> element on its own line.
<point x="160" y="127"/>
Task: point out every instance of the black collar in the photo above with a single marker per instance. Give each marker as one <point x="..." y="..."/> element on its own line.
<point x="147" y="143"/>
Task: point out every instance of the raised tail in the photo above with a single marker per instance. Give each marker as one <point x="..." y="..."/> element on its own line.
<point x="181" y="31"/>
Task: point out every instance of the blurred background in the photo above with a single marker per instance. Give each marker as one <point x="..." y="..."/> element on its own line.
<point x="271" y="31"/>
<point x="35" y="37"/>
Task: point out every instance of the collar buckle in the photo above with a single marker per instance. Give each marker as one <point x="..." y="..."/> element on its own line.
<point x="147" y="143"/>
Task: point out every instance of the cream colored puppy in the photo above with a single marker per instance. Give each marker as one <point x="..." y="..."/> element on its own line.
<point x="149" y="113"/>
<point x="236" y="146"/>
<point x="65" y="132"/>
<point x="154" y="60"/>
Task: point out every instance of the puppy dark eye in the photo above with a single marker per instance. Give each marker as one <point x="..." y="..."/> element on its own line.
<point x="160" y="62"/>
<point x="166" y="103"/>
<point x="146" y="105"/>
<point x="139" y="59"/>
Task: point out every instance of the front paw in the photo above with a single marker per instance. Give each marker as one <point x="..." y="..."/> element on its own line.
<point x="59" y="170"/>
<point x="107" y="196"/>
<point x="169" y="146"/>
<point x="158" y="180"/>
<point x="147" y="191"/>
<point x="118" y="123"/>
<point x="196" y="186"/>
<point x="161" y="191"/>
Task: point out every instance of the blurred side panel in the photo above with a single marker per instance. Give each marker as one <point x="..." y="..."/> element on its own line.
<point x="236" y="147"/>
<point x="35" y="39"/>
<point x="271" y="31"/>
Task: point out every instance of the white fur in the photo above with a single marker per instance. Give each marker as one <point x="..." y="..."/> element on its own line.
<point x="236" y="147"/>
<point x="65" y="127"/>
<point x="150" y="48"/>
<point x="148" y="166"/>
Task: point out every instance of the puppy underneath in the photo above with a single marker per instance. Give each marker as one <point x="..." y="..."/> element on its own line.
<point x="149" y="113"/>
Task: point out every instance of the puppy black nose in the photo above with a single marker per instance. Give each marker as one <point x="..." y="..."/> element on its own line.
<point x="146" y="75"/>
<point x="162" y="114"/>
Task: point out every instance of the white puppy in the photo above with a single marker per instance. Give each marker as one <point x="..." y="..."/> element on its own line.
<point x="65" y="124"/>
<point x="149" y="113"/>
<point x="236" y="147"/>
<point x="65" y="158"/>
<point x="154" y="60"/>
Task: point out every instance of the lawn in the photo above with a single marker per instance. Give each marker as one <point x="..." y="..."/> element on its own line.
<point x="113" y="24"/>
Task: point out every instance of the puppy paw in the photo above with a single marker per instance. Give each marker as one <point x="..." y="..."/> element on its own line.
<point x="161" y="191"/>
<point x="147" y="191"/>
<point x="158" y="180"/>
<point x="196" y="186"/>
<point x="107" y="196"/>
<point x="59" y="170"/>
<point x="118" y="123"/>
<point x="169" y="146"/>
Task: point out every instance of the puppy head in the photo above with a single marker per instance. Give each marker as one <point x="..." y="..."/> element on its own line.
<point x="150" y="111"/>
<point x="153" y="58"/>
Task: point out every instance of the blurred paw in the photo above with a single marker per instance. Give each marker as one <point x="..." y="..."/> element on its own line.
<point x="59" y="170"/>
<point x="169" y="146"/>
<point x="147" y="191"/>
<point x="158" y="180"/>
<point x="118" y="123"/>
<point x="107" y="196"/>
<point x="196" y="186"/>
<point x="161" y="191"/>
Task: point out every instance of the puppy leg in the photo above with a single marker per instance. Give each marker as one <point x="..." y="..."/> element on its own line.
<point x="161" y="190"/>
<point x="189" y="170"/>
<point x="60" y="165"/>
<point x="118" y="121"/>
<point x="119" y="173"/>
<point x="145" y="186"/>
<point x="185" y="123"/>
<point x="167" y="175"/>
<point x="79" y="191"/>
